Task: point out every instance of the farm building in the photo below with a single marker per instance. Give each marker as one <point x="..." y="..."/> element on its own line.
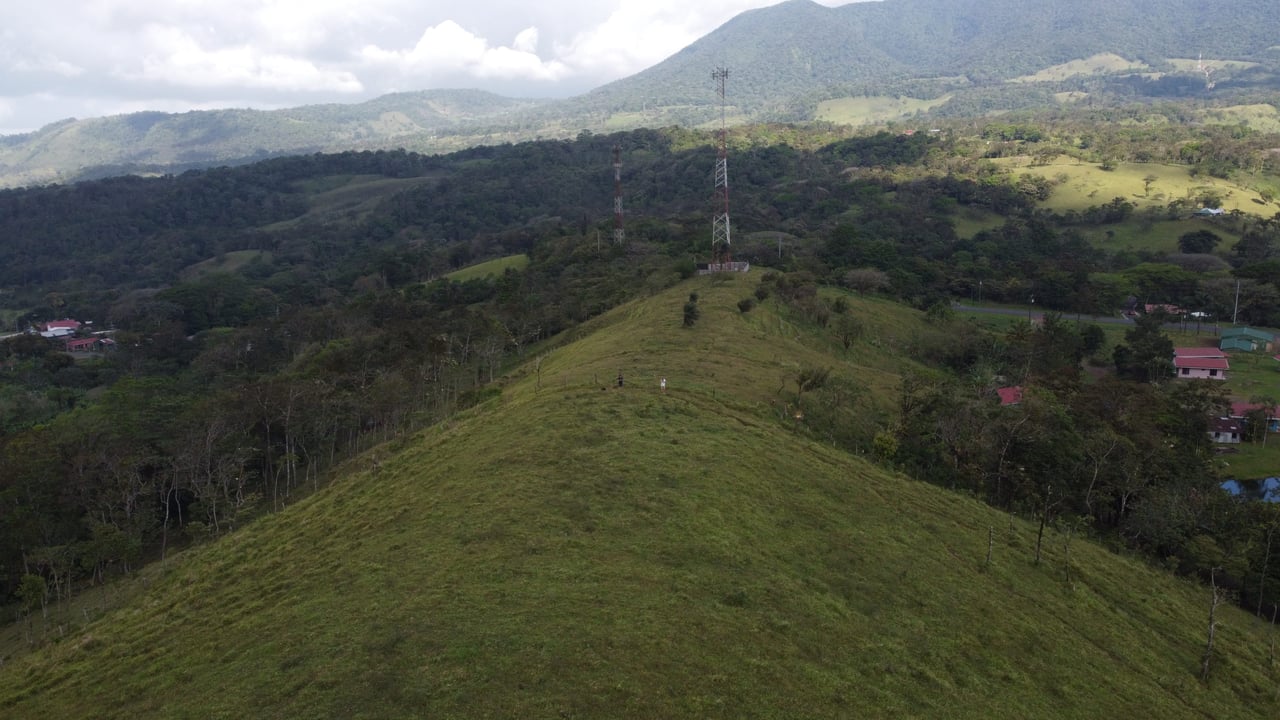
<point x="1246" y="339"/>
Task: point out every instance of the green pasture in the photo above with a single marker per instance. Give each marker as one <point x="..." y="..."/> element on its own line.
<point x="1160" y="236"/>
<point x="1081" y="185"/>
<point x="490" y="268"/>
<point x="874" y="109"/>
<point x="228" y="262"/>
<point x="1262" y="117"/>
<point x="1100" y="64"/>
<point x="570" y="548"/>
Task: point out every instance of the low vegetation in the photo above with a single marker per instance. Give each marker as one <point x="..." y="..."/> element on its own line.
<point x="691" y="553"/>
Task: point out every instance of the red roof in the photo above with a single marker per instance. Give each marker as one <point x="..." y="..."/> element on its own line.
<point x="81" y="343"/>
<point x="1201" y="363"/>
<point x="1240" y="407"/>
<point x="1010" y="395"/>
<point x="1198" y="352"/>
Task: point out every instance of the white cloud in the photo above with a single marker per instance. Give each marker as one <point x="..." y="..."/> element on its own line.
<point x="176" y="58"/>
<point x="448" y="49"/>
<point x="526" y="41"/>
<point x="87" y="56"/>
<point x="47" y="64"/>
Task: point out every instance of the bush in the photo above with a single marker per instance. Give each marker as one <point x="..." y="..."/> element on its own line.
<point x="762" y="293"/>
<point x="690" y="314"/>
<point x="745" y="304"/>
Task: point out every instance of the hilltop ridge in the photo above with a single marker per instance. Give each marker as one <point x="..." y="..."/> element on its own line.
<point x="573" y="548"/>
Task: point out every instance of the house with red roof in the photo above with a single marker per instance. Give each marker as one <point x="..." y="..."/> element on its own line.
<point x="89" y="344"/>
<point x="1240" y="411"/>
<point x="1200" y="364"/>
<point x="59" y="328"/>
<point x="1201" y="368"/>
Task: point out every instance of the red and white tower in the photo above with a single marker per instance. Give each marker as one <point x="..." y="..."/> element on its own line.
<point x="619" y="234"/>
<point x="720" y="235"/>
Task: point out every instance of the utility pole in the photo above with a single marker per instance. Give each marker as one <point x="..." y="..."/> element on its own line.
<point x="1236" y="310"/>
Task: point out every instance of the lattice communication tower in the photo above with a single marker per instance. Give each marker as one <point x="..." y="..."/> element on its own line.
<point x="619" y="233"/>
<point x="721" y="238"/>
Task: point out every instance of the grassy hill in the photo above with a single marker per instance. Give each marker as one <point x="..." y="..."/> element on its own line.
<point x="574" y="549"/>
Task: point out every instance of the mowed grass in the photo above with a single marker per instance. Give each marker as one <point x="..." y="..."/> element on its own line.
<point x="875" y="108"/>
<point x="1100" y="64"/>
<point x="490" y="268"/>
<point x="574" y="549"/>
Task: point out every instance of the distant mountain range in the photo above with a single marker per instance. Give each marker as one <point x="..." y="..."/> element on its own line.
<point x="962" y="55"/>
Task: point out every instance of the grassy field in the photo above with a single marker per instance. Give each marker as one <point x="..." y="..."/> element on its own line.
<point x="574" y="549"/>
<point x="1086" y="184"/>
<point x="874" y="109"/>
<point x="232" y="261"/>
<point x="347" y="196"/>
<point x="1261" y="117"/>
<point x="490" y="268"/>
<point x="1103" y="63"/>
<point x="1161" y="236"/>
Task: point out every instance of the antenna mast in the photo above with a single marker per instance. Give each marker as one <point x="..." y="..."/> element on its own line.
<point x="619" y="234"/>
<point x="720" y="236"/>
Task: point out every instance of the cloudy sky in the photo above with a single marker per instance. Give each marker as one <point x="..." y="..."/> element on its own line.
<point x="88" y="58"/>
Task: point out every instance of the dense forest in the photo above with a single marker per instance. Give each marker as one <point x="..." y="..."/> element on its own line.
<point x="268" y="325"/>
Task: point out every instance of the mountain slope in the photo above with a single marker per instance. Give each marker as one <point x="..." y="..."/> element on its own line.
<point x="784" y="59"/>
<point x="791" y="53"/>
<point x="96" y="147"/>
<point x="576" y="549"/>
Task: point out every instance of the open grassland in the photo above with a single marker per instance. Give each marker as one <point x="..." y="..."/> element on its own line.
<point x="1081" y="185"/>
<point x="1160" y="236"/>
<point x="575" y="549"/>
<point x="347" y="196"/>
<point x="1100" y="64"/>
<point x="490" y="268"/>
<point x="1252" y="461"/>
<point x="874" y="109"/>
<point x="1261" y="117"/>
<point x="228" y="262"/>
<point x="1195" y="64"/>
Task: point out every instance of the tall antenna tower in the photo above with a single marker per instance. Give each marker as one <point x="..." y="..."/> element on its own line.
<point x="720" y="236"/>
<point x="619" y="234"/>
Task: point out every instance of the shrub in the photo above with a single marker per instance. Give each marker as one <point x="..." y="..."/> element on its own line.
<point x="762" y="293"/>
<point x="690" y="314"/>
<point x="745" y="304"/>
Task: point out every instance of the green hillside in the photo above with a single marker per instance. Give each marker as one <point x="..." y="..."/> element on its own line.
<point x="574" y="549"/>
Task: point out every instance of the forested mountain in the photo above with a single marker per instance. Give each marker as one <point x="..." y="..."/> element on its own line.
<point x="784" y="60"/>
<point x="162" y="142"/>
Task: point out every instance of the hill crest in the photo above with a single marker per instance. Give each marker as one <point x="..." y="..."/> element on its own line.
<point x="575" y="548"/>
